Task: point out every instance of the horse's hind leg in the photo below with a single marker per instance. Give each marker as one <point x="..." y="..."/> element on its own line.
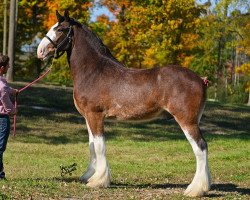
<point x="201" y="181"/>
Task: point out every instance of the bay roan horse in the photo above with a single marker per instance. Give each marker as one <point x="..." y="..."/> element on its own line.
<point x="104" y="88"/>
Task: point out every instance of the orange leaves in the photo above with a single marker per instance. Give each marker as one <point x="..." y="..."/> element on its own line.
<point x="52" y="5"/>
<point x="77" y="9"/>
<point x="103" y="19"/>
<point x="115" y="6"/>
<point x="51" y="20"/>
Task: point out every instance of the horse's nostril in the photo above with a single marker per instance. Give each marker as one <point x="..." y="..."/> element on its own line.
<point x="40" y="52"/>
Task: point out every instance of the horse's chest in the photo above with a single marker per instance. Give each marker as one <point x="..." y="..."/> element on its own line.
<point x="78" y="104"/>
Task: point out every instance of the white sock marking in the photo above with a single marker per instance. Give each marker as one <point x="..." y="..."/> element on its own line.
<point x="201" y="181"/>
<point x="101" y="178"/>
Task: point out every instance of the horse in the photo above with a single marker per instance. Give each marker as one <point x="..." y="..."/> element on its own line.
<point x="103" y="88"/>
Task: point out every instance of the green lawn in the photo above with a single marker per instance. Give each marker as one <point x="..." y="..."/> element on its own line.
<point x="152" y="160"/>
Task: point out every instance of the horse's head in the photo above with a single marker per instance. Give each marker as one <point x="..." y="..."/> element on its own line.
<point x="58" y="39"/>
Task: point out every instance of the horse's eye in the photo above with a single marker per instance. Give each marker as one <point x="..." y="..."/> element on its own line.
<point x="60" y="29"/>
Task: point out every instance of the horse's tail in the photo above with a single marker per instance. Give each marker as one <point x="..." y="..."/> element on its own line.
<point x="205" y="81"/>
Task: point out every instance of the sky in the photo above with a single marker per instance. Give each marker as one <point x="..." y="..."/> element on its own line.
<point x="100" y="10"/>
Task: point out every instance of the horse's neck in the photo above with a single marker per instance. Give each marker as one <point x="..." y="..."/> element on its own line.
<point x="83" y="58"/>
<point x="82" y="51"/>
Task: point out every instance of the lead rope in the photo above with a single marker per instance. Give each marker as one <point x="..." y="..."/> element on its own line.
<point x="24" y="88"/>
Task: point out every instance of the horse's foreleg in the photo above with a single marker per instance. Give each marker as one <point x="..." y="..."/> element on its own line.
<point x="92" y="164"/>
<point x="101" y="175"/>
<point x="201" y="182"/>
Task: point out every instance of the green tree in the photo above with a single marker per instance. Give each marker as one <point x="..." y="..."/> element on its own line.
<point x="218" y="44"/>
<point x="152" y="33"/>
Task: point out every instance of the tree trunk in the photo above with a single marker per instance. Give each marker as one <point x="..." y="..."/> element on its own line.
<point x="5" y="28"/>
<point x="11" y="43"/>
<point x="249" y="99"/>
<point x="218" y="70"/>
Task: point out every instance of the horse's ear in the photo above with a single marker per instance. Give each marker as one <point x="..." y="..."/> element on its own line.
<point x="59" y="17"/>
<point x="66" y="15"/>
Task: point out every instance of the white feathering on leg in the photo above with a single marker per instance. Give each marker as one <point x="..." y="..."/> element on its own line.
<point x="92" y="164"/>
<point x="101" y="177"/>
<point x="202" y="181"/>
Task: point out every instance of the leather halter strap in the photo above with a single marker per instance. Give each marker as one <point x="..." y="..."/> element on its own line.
<point x="51" y="41"/>
<point x="67" y="40"/>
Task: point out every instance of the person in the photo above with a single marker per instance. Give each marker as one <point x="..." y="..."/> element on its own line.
<point x="6" y="109"/>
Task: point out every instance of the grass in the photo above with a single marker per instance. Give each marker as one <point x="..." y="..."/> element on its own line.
<point x="148" y="161"/>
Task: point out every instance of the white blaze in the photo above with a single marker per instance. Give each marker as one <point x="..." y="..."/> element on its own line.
<point x="42" y="50"/>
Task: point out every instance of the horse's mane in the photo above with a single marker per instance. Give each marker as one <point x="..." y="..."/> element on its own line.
<point x="95" y="41"/>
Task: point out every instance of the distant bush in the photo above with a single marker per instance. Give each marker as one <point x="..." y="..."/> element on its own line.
<point x="231" y="94"/>
<point x="236" y="94"/>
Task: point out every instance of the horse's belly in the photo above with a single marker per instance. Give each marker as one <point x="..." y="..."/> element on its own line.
<point x="139" y="116"/>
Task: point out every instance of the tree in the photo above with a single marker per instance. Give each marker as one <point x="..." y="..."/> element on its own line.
<point x="11" y="43"/>
<point x="5" y="11"/>
<point x="245" y="71"/>
<point x="220" y="36"/>
<point x="152" y="33"/>
<point x="78" y="10"/>
<point x="243" y="49"/>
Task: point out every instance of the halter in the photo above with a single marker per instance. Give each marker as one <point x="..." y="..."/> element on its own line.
<point x="67" y="40"/>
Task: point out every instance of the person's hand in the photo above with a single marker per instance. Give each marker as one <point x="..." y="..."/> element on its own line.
<point x="15" y="91"/>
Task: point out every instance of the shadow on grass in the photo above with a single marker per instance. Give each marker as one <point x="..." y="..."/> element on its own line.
<point x="226" y="118"/>
<point x="229" y="187"/>
<point x="74" y="138"/>
<point x="223" y="187"/>
<point x="217" y="190"/>
<point x="152" y="186"/>
<point x="56" y="98"/>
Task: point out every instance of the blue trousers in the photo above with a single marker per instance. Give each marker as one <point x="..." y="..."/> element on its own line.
<point x="4" y="135"/>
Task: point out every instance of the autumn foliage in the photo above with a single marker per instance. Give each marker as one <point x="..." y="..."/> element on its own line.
<point x="152" y="33"/>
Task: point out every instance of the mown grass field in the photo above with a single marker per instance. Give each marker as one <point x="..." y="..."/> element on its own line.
<point x="152" y="160"/>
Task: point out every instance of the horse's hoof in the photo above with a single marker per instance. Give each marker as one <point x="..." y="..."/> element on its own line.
<point x="194" y="193"/>
<point x="97" y="182"/>
<point x="94" y="184"/>
<point x="83" y="180"/>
